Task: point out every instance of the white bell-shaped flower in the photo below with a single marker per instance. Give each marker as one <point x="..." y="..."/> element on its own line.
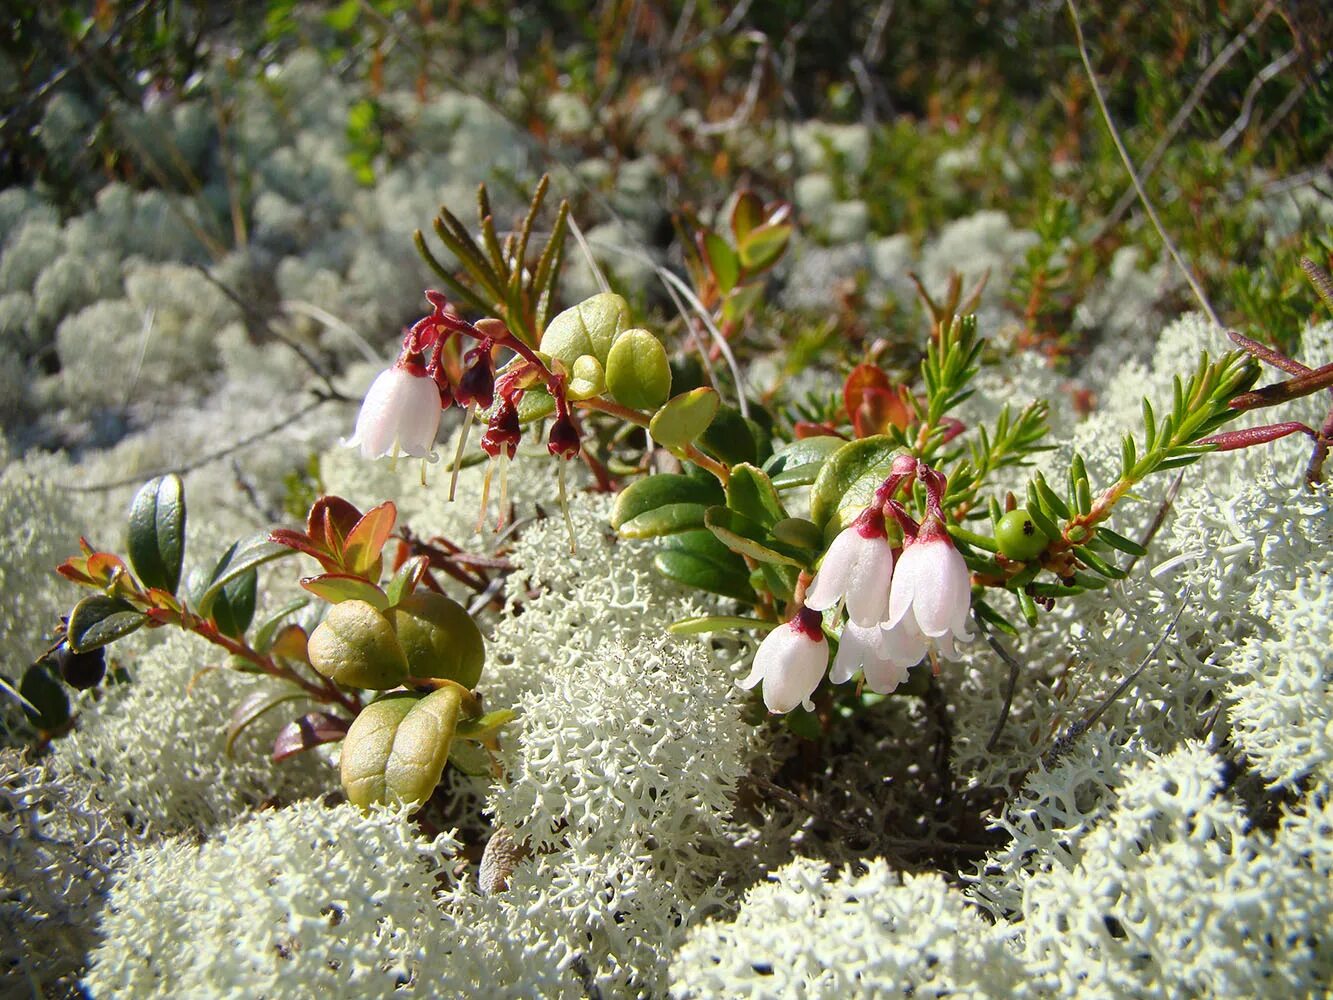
<point x="400" y="416"/>
<point x="857" y="567"/>
<point x="791" y="662"/>
<point x="932" y="589"/>
<point x="883" y="655"/>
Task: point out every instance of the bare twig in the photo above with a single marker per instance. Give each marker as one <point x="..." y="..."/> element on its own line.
<point x="1183" y="113"/>
<point x="1251" y="92"/>
<point x="1133" y="175"/>
<point x="1015" y="668"/>
<point x="205" y="459"/>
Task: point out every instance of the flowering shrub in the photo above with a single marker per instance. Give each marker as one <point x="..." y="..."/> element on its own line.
<point x="849" y="598"/>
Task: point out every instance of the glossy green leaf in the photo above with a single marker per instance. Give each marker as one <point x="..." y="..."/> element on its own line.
<point x="99" y="619"/>
<point x="719" y="623"/>
<point x="730" y="438"/>
<point x="669" y="519"/>
<point x="697" y="559"/>
<point x="750" y="493"/>
<point x="638" y="373"/>
<point x="338" y="587"/>
<point x="240" y="558"/>
<point x="749" y="538"/>
<point x="43" y="697"/>
<point x="653" y="492"/>
<point x="803" y="451"/>
<point x="157" y="532"/>
<point x="799" y="532"/>
<point x="848" y="481"/>
<point x="268" y="628"/>
<point x="535" y="404"/>
<point x="684" y="418"/>
<point x="234" y="606"/>
<point x="405" y="579"/>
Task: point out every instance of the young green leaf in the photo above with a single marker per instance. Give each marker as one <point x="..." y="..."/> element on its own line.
<point x="157" y="532"/>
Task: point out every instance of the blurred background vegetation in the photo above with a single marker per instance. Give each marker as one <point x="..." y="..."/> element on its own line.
<point x="1225" y="107"/>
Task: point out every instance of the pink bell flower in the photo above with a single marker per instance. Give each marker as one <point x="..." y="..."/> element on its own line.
<point x="932" y="589"/>
<point x="857" y="568"/>
<point x="399" y="416"/>
<point x="883" y="655"/>
<point x="791" y="662"/>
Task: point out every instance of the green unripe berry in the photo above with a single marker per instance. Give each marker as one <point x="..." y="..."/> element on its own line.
<point x="355" y="645"/>
<point x="439" y="638"/>
<point x="637" y="371"/>
<point x="1019" y="537"/>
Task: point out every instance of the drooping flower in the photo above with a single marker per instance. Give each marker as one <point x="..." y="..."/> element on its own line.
<point x="859" y="564"/>
<point x="857" y="568"/>
<point x="791" y="662"/>
<point x="932" y="589"/>
<point x="884" y="655"/>
<point x="400" y="414"/>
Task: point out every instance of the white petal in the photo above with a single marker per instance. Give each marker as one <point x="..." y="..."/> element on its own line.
<point x="793" y="668"/>
<point x="884" y="676"/>
<point x="857" y="647"/>
<point x="902" y="593"/>
<point x="868" y="587"/>
<point x="904" y="644"/>
<point x="830" y="583"/>
<point x="937" y="589"/>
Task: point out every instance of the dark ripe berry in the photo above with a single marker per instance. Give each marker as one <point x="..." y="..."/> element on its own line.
<point x="1019" y="537"/>
<point x="81" y="671"/>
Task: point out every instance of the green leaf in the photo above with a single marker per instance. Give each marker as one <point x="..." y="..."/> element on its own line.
<point x="486" y="726"/>
<point x="746" y="214"/>
<point x="750" y="493"/>
<point x="799" y="532"/>
<point x="43" y="697"/>
<point x="100" y="619"/>
<point x="719" y="623"/>
<point x="802" y="452"/>
<point x="268" y="628"/>
<point x="638" y="373"/>
<point x="1116" y="541"/>
<point x="729" y="438"/>
<point x="234" y="607"/>
<point x="848" y="481"/>
<point x="240" y="558"/>
<point x="749" y="538"/>
<point x="338" y="587"/>
<point x="405" y="579"/>
<point x="536" y="404"/>
<point x="344" y="16"/>
<point x="253" y="706"/>
<point x="157" y="532"/>
<point x="722" y="261"/>
<point x="669" y="519"/>
<point x="660" y="490"/>
<point x="697" y="559"/>
<point x="684" y="418"/>
<point x="763" y="245"/>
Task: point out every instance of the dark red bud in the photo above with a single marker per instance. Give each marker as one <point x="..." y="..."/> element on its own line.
<point x="503" y="432"/>
<point x="477" y="384"/>
<point x="564" y="438"/>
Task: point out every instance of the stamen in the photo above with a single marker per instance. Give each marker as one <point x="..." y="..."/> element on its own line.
<point x="485" y="497"/>
<point x="564" y="505"/>
<point x="458" y="453"/>
<point x="503" y="517"/>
